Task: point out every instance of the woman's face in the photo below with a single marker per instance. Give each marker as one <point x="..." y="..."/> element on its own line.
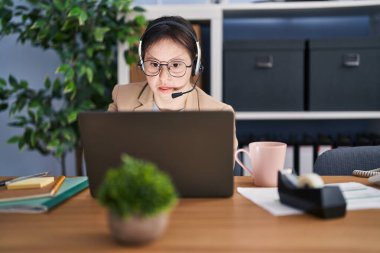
<point x="163" y="84"/>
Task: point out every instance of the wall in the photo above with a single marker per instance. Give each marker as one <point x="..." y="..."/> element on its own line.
<point x="32" y="64"/>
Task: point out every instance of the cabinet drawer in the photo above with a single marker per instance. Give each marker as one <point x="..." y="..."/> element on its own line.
<point x="264" y="75"/>
<point x="344" y="75"/>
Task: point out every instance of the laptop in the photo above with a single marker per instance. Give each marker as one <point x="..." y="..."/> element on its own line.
<point x="194" y="148"/>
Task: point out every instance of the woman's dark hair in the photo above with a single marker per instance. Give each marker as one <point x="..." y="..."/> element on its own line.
<point x="175" y="28"/>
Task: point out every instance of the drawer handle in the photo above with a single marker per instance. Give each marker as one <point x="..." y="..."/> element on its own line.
<point x="264" y="61"/>
<point x="351" y="60"/>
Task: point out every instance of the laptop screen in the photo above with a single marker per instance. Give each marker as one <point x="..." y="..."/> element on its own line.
<point x="194" y="148"/>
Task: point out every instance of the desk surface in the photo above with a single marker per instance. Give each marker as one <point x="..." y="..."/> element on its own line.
<point x="196" y="225"/>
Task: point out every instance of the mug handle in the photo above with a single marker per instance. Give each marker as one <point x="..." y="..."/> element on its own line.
<point x="240" y="162"/>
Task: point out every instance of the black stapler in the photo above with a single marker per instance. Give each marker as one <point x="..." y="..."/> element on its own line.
<point x="325" y="202"/>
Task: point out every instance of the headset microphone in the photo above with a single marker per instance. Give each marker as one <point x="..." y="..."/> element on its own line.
<point x="178" y="94"/>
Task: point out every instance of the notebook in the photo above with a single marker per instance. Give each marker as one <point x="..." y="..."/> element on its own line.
<point x="194" y="148"/>
<point x="18" y="194"/>
<point x="69" y="188"/>
<point x="30" y="183"/>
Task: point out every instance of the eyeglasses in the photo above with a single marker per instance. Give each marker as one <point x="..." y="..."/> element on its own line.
<point x="175" y="68"/>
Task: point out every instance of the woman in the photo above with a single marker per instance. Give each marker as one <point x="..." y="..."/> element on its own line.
<point x="169" y="55"/>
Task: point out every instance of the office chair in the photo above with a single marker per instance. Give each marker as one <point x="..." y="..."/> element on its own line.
<point x="343" y="161"/>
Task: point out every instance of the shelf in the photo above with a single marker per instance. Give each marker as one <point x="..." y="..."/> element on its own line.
<point x="307" y="115"/>
<point x="301" y="5"/>
<point x="209" y="11"/>
<point x="215" y="14"/>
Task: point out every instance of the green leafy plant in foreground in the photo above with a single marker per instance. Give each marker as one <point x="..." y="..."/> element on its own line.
<point x="137" y="188"/>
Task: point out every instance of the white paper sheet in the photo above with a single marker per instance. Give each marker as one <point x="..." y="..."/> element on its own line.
<point x="357" y="195"/>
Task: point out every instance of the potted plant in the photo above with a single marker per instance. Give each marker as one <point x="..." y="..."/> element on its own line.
<point x="84" y="34"/>
<point x="139" y="198"/>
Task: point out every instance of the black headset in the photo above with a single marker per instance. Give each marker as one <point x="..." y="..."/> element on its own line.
<point x="198" y="66"/>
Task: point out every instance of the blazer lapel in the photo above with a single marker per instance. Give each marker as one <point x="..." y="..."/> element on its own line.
<point x="192" y="101"/>
<point x="145" y="100"/>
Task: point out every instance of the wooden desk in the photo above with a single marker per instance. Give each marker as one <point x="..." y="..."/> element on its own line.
<point x="196" y="225"/>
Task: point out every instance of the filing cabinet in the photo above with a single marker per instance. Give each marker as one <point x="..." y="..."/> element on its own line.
<point x="344" y="74"/>
<point x="261" y="75"/>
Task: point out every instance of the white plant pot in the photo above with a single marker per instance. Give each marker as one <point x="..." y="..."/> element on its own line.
<point x="136" y="230"/>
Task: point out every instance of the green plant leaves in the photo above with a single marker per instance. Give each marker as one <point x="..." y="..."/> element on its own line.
<point x="100" y="32"/>
<point x="72" y="117"/>
<point x="130" y="57"/>
<point x="140" y="20"/>
<point x="47" y="83"/>
<point x="99" y="88"/>
<point x="13" y="82"/>
<point x="4" y="94"/>
<point x="84" y="34"/>
<point x="90" y="74"/>
<point x="3" y="83"/>
<point x="14" y="139"/>
<point x="138" y="9"/>
<point x="21" y="143"/>
<point x="53" y="144"/>
<point x="90" y="52"/>
<point x="38" y="24"/>
<point x="58" y="5"/>
<point x="23" y="84"/>
<point x="66" y="70"/>
<point x="3" y="106"/>
<point x="69" y="87"/>
<point x="133" y="39"/>
<point x="68" y="134"/>
<point x="63" y="68"/>
<point x="56" y="91"/>
<point x="79" y="14"/>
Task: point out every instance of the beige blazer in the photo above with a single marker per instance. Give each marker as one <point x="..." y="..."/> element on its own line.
<point x="139" y="97"/>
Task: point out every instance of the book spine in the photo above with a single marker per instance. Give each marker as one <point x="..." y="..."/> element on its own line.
<point x="66" y="195"/>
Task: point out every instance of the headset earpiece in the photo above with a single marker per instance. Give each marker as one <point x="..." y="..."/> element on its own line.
<point x="194" y="72"/>
<point x="141" y="61"/>
<point x="193" y="68"/>
<point x="198" y="64"/>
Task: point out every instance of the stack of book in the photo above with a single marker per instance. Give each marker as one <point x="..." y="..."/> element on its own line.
<point x="39" y="195"/>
